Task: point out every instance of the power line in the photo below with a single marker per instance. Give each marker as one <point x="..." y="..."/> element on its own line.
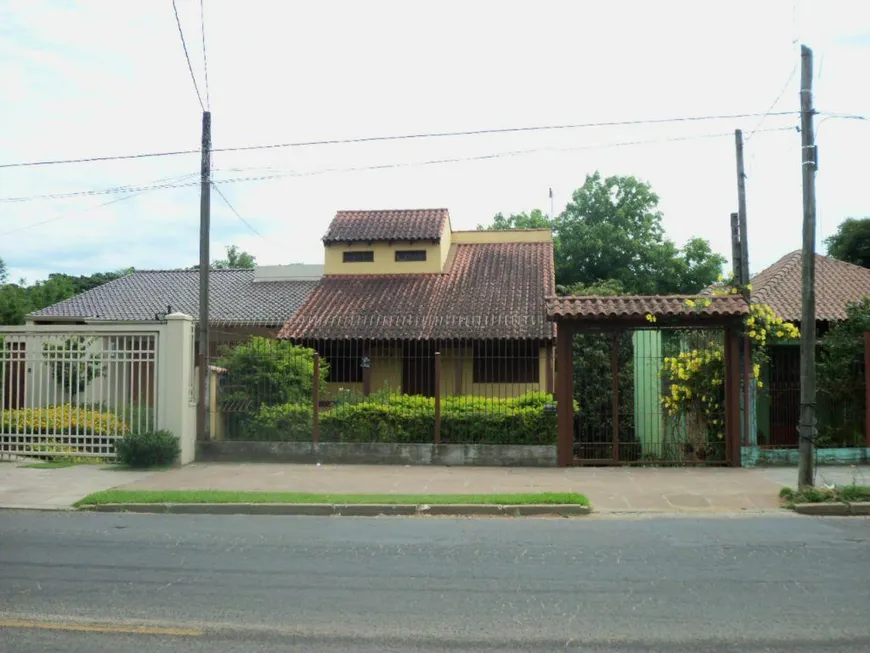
<point x="204" y="55"/>
<point x="775" y="102"/>
<point x="483" y="157"/>
<point x="89" y="208"/>
<point x="186" y="55"/>
<point x="400" y="137"/>
<point x="233" y="209"/>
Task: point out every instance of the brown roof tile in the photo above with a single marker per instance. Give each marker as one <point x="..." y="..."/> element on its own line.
<point x="638" y="307"/>
<point x="369" y="226"/>
<point x="489" y="291"/>
<point x="837" y="285"/>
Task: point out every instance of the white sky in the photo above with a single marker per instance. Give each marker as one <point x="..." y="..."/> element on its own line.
<point x="103" y="77"/>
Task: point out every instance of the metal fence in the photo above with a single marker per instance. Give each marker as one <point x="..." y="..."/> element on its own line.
<point x="649" y="395"/>
<point x="71" y="392"/>
<point x="390" y="390"/>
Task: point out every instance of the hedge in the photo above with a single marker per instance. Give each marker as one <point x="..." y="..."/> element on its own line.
<point x="528" y="419"/>
<point x="60" y="420"/>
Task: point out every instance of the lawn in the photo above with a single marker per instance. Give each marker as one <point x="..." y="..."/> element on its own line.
<point x="51" y="464"/>
<point x="840" y="494"/>
<point x="225" y="496"/>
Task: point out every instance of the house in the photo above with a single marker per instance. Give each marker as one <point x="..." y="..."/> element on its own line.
<point x="837" y="285"/>
<point x="243" y="302"/>
<point x="400" y="286"/>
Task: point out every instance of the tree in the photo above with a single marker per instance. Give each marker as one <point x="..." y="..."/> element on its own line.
<point x="534" y="220"/>
<point x="3" y="272"/>
<point x="610" y="238"/>
<point x="851" y="243"/>
<point x="236" y="258"/>
<point x="612" y="230"/>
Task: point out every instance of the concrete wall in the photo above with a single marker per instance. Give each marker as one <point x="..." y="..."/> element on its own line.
<point x="757" y="457"/>
<point x="378" y="453"/>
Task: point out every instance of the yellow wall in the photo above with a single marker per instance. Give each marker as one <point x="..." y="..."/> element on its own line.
<point x="387" y="374"/>
<point x="506" y="236"/>
<point x="436" y="253"/>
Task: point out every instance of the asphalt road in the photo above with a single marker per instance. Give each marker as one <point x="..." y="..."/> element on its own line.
<point x="87" y="582"/>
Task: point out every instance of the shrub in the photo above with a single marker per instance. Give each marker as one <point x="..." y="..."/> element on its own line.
<point x="62" y="420"/>
<point x="148" y="449"/>
<point x="380" y="422"/>
<point x="286" y="422"/>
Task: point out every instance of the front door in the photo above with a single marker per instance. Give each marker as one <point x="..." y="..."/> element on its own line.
<point x="418" y="368"/>
<point x="785" y="392"/>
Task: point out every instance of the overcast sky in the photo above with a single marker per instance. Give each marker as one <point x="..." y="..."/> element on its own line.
<point x="107" y="77"/>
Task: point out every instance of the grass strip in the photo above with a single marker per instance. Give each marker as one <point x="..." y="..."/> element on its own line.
<point x="839" y="494"/>
<point x="226" y="496"/>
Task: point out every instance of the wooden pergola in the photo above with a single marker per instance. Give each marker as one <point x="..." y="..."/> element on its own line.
<point x="577" y="314"/>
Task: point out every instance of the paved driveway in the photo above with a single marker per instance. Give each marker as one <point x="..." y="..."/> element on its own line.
<point x="52" y="489"/>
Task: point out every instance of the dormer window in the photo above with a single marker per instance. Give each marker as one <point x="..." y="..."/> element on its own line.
<point x="408" y="255"/>
<point x="358" y="257"/>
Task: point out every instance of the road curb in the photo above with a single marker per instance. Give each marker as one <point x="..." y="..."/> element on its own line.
<point x="833" y="509"/>
<point x="346" y="510"/>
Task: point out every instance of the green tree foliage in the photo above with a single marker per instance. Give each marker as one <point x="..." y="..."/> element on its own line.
<point x="72" y="365"/>
<point x="534" y="220"/>
<point x="3" y="271"/>
<point x="841" y="374"/>
<point x="851" y="243"/>
<point x="19" y="299"/>
<point x="611" y="233"/>
<point x="236" y="258"/>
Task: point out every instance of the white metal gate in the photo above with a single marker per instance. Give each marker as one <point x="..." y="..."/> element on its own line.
<point x="70" y="392"/>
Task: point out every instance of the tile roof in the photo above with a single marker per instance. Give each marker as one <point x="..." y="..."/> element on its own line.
<point x="235" y="297"/>
<point x="633" y="307"/>
<point x="837" y="285"/>
<point x="493" y="290"/>
<point x="368" y="226"/>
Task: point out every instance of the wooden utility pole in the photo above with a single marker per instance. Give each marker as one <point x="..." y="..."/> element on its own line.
<point x="807" y="427"/>
<point x="735" y="247"/>
<point x="741" y="215"/>
<point x="204" y="229"/>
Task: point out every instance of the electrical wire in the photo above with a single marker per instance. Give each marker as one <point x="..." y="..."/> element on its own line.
<point x="483" y="157"/>
<point x="186" y="55"/>
<point x="775" y="102"/>
<point x="233" y="209"/>
<point x="401" y="137"/>
<point x="89" y="208"/>
<point x="204" y="55"/>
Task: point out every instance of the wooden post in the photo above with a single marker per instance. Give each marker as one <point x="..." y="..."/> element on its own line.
<point x="549" y="382"/>
<point x="614" y="374"/>
<point x="565" y="393"/>
<point x="732" y="396"/>
<point x="807" y="424"/>
<point x="735" y="247"/>
<point x="867" y="389"/>
<point x="202" y="407"/>
<point x="741" y="215"/>
<point x="315" y="418"/>
<point x="747" y="382"/>
<point x="437" y="397"/>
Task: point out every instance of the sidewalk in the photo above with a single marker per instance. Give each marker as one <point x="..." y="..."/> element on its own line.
<point x="611" y="490"/>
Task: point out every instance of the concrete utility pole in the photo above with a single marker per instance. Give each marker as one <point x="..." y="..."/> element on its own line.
<point x="741" y="215"/>
<point x="809" y="158"/>
<point x="204" y="229"/>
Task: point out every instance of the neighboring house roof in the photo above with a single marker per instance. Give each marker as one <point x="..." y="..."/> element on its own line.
<point x="492" y="290"/>
<point x="234" y="298"/>
<point x="638" y="307"/>
<point x="370" y="226"/>
<point x="837" y="285"/>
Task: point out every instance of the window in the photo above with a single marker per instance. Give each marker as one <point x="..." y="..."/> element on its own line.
<point x="506" y="361"/>
<point x="404" y="256"/>
<point x="345" y="361"/>
<point x="358" y="257"/>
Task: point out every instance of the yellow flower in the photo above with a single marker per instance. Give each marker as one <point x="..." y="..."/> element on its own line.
<point x="690" y="303"/>
<point x="748" y="286"/>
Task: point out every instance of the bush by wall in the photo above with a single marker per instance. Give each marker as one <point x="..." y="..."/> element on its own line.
<point x="148" y="449"/>
<point x="61" y="420"/>
<point x="528" y="419"/>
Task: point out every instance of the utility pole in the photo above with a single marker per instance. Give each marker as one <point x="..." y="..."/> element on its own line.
<point x="204" y="229"/>
<point x="736" y="270"/>
<point x="807" y="426"/>
<point x="741" y="214"/>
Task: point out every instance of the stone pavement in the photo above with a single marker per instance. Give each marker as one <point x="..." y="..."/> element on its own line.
<point x="53" y="489"/>
<point x="611" y="490"/>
